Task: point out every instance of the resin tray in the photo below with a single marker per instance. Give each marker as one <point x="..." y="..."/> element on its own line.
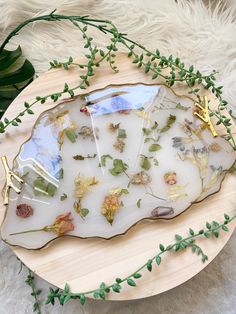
<point x="97" y="165"/>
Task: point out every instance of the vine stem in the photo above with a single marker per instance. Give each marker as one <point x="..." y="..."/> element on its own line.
<point x="187" y="241"/>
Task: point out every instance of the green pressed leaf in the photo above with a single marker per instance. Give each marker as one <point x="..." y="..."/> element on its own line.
<point x="60" y="174"/>
<point x="104" y="159"/>
<point x="51" y="189"/>
<point x="154" y="147"/>
<point x="146" y="131"/>
<point x="71" y="135"/>
<point x="84" y="212"/>
<point x="145" y="163"/>
<point x="181" y="107"/>
<point x="169" y="122"/>
<point x="63" y="197"/>
<point x="122" y="133"/>
<point x="118" y="167"/>
<point x="139" y="203"/>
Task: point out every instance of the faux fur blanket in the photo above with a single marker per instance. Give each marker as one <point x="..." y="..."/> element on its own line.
<point x="203" y="34"/>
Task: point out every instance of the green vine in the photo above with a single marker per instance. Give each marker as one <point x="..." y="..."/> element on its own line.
<point x="171" y="70"/>
<point x="180" y="244"/>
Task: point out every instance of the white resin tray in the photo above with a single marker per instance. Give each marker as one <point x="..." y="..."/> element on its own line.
<point x="109" y="159"/>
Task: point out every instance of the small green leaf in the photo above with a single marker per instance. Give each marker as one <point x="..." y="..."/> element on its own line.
<point x="154" y="147"/>
<point x="145" y="163"/>
<point x="121" y="133"/>
<point x="82" y="298"/>
<point x="118" y="167"/>
<point x="118" y="280"/>
<point x="139" y="203"/>
<point x="191" y="232"/>
<point x="161" y="247"/>
<point x="71" y="135"/>
<point x="84" y="212"/>
<point x="104" y="159"/>
<point x="178" y="237"/>
<point x="158" y="260"/>
<point x="169" y="122"/>
<point x="207" y="234"/>
<point x="149" y="265"/>
<point x="63" y="197"/>
<point x="146" y="131"/>
<point x="131" y="282"/>
<point x="137" y="275"/>
<point x="225" y="228"/>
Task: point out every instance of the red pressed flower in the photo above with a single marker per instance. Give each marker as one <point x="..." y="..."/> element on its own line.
<point x="24" y="210"/>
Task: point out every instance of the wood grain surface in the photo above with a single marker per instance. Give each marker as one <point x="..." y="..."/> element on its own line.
<point x="83" y="264"/>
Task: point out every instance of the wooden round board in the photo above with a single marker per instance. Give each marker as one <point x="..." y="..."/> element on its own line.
<point x="83" y="264"/>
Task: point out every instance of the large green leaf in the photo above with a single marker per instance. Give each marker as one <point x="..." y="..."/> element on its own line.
<point x="24" y="73"/>
<point x="12" y="78"/>
<point x="7" y="58"/>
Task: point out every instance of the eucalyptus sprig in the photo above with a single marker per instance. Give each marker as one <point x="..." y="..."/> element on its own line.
<point x="171" y="70"/>
<point x="181" y="243"/>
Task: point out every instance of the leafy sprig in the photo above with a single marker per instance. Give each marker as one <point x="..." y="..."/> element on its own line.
<point x="171" y="70"/>
<point x="35" y="292"/>
<point x="181" y="243"/>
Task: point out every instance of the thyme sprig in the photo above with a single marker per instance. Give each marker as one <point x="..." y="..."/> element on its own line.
<point x="171" y="69"/>
<point x="181" y="243"/>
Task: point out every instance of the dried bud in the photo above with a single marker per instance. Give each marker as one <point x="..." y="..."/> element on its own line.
<point x="170" y="178"/>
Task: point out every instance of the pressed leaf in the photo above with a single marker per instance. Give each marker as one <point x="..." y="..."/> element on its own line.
<point x="145" y="163"/>
<point x="154" y="147"/>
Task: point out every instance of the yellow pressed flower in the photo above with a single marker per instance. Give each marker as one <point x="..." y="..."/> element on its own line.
<point x="82" y="185"/>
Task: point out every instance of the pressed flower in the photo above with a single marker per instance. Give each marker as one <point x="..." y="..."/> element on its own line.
<point x="69" y="132"/>
<point x="141" y="178"/>
<point x="201" y="157"/>
<point x="216" y="173"/>
<point x="176" y="191"/>
<point x="24" y="210"/>
<point x="170" y="178"/>
<point x="86" y="132"/>
<point x="215" y="147"/>
<point x="82" y="185"/>
<point x="119" y="145"/>
<point x="113" y="127"/>
<point x="112" y="203"/>
<point x="62" y="225"/>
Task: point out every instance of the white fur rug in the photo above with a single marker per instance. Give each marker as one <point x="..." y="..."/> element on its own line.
<point x="200" y="34"/>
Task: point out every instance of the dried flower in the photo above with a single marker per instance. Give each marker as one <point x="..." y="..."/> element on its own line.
<point x="119" y="145"/>
<point x="62" y="224"/>
<point x="201" y="157"/>
<point x="113" y="127"/>
<point x="170" y="178"/>
<point x="24" y="210"/>
<point x="215" y="147"/>
<point x="82" y="185"/>
<point x="112" y="203"/>
<point x="141" y="178"/>
<point x="86" y="132"/>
